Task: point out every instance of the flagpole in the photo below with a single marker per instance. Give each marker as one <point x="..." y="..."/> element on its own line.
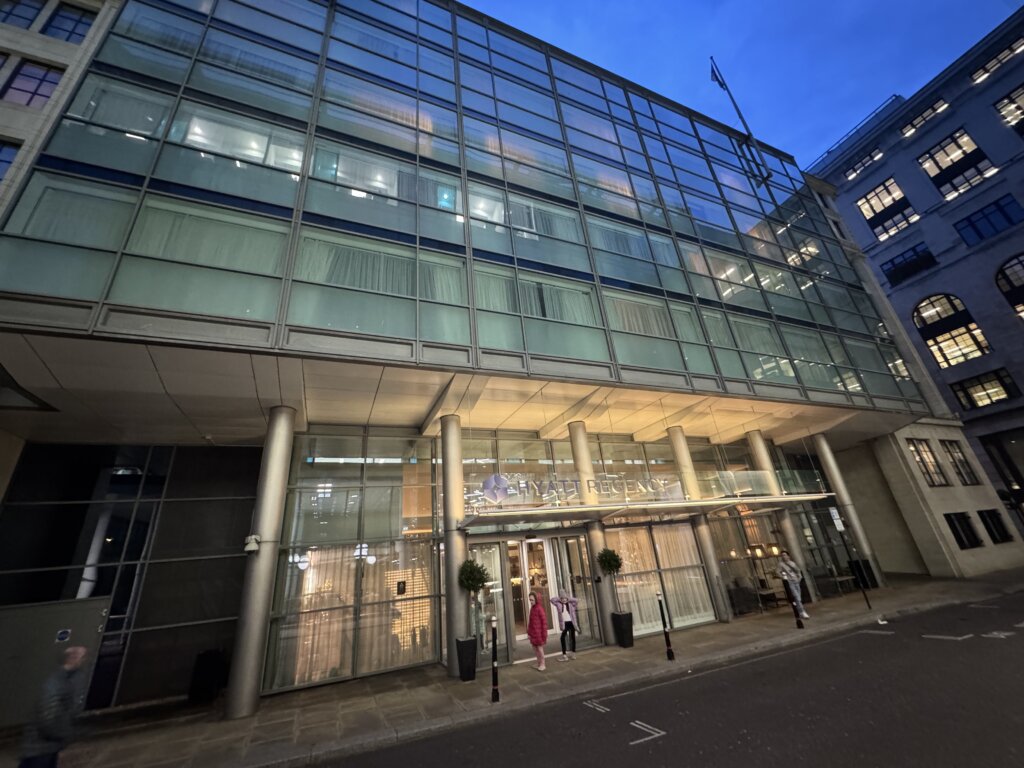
<point x="716" y="76"/>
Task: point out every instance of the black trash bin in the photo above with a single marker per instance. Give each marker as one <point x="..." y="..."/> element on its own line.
<point x="209" y="676"/>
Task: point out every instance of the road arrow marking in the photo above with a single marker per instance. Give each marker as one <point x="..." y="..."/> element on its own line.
<point x="595" y="706"/>
<point x="946" y="637"/>
<point x="649" y="729"/>
<point x="1019" y="625"/>
<point x="999" y="635"/>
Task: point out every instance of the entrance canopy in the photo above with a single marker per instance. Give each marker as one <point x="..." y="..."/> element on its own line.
<point x="587" y="513"/>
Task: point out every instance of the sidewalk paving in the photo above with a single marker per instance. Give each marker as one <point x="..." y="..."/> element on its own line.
<point x="319" y="725"/>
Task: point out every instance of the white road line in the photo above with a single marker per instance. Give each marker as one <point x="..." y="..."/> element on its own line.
<point x="1019" y="625"/>
<point x="653" y="732"/>
<point x="999" y="635"/>
<point x="946" y="637"/>
<point x="595" y="706"/>
<point x="876" y="632"/>
<point x="982" y="605"/>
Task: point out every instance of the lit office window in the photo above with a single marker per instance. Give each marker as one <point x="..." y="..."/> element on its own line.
<point x="32" y="84"/>
<point x="962" y="528"/>
<point x="990" y="220"/>
<point x="887" y="210"/>
<point x="20" y="13"/>
<point x="964" y="471"/>
<point x="949" y="330"/>
<point x="69" y="23"/>
<point x="989" y="388"/>
<point x="1011" y="108"/>
<point x="854" y="171"/>
<point x="910" y="128"/>
<point x="7" y="154"/>
<point x="994" y="526"/>
<point x="956" y="164"/>
<point x="922" y="452"/>
<point x="1010" y="280"/>
<point x="997" y="61"/>
<point x="910" y="262"/>
<point x="958" y="345"/>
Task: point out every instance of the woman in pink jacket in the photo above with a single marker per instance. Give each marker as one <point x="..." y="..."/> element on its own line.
<point x="537" y="629"/>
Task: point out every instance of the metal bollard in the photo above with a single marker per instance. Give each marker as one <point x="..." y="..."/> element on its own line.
<point x="495" y="695"/>
<point x="664" y="626"/>
<point x="792" y="604"/>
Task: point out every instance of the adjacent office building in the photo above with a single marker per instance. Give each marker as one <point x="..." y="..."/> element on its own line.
<point x="303" y="304"/>
<point x="931" y="188"/>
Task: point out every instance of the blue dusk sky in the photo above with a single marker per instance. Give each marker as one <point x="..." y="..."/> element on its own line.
<point x="803" y="72"/>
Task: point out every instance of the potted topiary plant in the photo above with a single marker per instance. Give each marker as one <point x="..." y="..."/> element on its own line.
<point x="473" y="577"/>
<point x="610" y="563"/>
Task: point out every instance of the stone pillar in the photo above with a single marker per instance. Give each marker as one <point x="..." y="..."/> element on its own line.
<point x="595" y="530"/>
<point x="845" y="503"/>
<point x="701" y="526"/>
<point x="261" y="567"/>
<point x="456" y="601"/>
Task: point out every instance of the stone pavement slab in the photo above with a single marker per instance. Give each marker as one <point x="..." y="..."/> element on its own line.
<point x="316" y="726"/>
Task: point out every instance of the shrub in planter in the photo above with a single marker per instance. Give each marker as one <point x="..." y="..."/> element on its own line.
<point x="610" y="563"/>
<point x="472" y="577"/>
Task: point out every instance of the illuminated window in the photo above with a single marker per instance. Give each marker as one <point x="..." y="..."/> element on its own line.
<point x="958" y="345"/>
<point x="990" y="220"/>
<point x="956" y="164"/>
<point x="922" y="452"/>
<point x="962" y="528"/>
<point x="964" y="471"/>
<point x="935" y="308"/>
<point x="997" y="61"/>
<point x="887" y="210"/>
<point x="907" y="264"/>
<point x="1010" y="279"/>
<point x="910" y="128"/>
<point x="854" y="171"/>
<point x="989" y="388"/>
<point x="1011" y="108"/>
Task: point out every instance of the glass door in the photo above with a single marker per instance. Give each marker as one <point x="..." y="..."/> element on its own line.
<point x="489" y="602"/>
<point x="573" y="569"/>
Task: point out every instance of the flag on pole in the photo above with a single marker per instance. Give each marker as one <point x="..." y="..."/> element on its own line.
<point x="716" y="76"/>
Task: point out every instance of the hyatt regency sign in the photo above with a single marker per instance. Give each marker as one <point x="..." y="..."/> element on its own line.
<point x="523" y="489"/>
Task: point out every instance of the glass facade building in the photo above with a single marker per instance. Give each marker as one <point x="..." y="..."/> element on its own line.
<point x="379" y="216"/>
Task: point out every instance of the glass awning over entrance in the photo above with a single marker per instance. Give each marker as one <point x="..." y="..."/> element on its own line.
<point x="587" y="513"/>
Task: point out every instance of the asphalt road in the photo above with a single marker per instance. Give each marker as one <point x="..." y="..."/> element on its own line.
<point x="945" y="688"/>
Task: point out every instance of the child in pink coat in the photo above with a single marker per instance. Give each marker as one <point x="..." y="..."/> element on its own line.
<point x="537" y="629"/>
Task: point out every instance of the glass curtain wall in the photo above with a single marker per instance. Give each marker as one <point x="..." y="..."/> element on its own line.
<point x="747" y="546"/>
<point x="358" y="580"/>
<point x="151" y="529"/>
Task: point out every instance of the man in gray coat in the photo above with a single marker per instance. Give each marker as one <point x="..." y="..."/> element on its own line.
<point x="59" y="703"/>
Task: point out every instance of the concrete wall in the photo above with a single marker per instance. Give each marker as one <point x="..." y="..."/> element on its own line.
<point x="923" y="506"/>
<point x="879" y="512"/>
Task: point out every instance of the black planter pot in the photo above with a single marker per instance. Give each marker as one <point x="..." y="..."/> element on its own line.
<point x="467" y="658"/>
<point x="622" y="624"/>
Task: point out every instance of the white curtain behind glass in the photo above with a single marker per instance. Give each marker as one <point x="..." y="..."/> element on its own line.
<point x="340" y="263"/>
<point x="557" y="303"/>
<point x="636" y="317"/>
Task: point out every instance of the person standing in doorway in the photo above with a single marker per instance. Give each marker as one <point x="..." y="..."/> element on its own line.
<point x="537" y="628"/>
<point x="791" y="576"/>
<point x="565" y="607"/>
<point x="59" y="703"/>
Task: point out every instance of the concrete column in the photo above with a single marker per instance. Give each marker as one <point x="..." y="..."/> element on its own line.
<point x="845" y="502"/>
<point x="261" y="567"/>
<point x="701" y="526"/>
<point x="684" y="463"/>
<point x="456" y="601"/>
<point x="595" y="530"/>
<point x="763" y="461"/>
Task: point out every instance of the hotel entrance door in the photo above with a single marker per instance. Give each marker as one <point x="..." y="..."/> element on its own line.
<point x="544" y="565"/>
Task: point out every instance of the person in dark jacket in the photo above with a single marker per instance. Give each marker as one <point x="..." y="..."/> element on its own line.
<point x="537" y="628"/>
<point x="59" y="703"/>
<point x="565" y="608"/>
